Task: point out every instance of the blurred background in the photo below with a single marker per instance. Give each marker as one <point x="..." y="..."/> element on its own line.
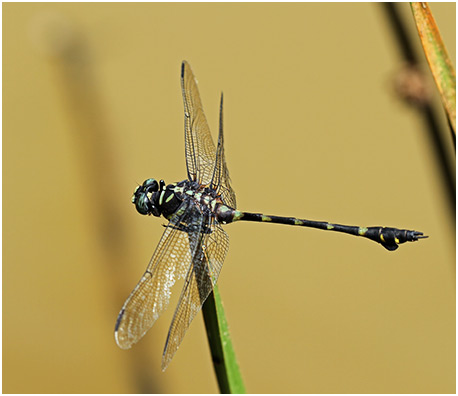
<point x="314" y="128"/>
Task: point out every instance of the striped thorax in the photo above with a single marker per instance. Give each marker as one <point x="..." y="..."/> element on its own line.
<point x="155" y="198"/>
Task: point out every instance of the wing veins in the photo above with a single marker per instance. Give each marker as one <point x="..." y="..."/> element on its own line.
<point x="202" y="275"/>
<point x="151" y="295"/>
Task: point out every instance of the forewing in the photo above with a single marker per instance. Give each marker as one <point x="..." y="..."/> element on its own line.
<point x="199" y="147"/>
<point x="221" y="181"/>
<point x="171" y="261"/>
<point x="211" y="249"/>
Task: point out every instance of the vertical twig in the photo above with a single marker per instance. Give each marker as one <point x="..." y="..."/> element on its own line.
<point x="423" y="105"/>
<point x="438" y="59"/>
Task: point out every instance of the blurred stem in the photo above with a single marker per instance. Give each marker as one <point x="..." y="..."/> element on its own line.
<point x="223" y="355"/>
<point x="74" y="72"/>
<point x="425" y="107"/>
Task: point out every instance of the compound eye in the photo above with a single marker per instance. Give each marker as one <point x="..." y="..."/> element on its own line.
<point x="150" y="185"/>
<point x="142" y="205"/>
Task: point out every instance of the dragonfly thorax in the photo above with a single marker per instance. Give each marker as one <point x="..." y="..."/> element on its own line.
<point x="155" y="198"/>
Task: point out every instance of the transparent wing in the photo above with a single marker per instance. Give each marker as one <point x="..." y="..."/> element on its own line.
<point x="221" y="181"/>
<point x="171" y="261"/>
<point x="211" y="248"/>
<point x="199" y="147"/>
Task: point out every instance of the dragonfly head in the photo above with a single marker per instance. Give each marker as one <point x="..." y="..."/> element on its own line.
<point x="146" y="197"/>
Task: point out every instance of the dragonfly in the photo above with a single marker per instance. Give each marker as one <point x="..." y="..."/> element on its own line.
<point x="194" y="245"/>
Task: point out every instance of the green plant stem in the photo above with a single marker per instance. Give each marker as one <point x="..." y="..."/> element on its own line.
<point x="223" y="355"/>
<point x="438" y="59"/>
<point x="438" y="138"/>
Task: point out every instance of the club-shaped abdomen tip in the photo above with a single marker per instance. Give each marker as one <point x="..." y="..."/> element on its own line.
<point x="390" y="238"/>
<point x="415" y="235"/>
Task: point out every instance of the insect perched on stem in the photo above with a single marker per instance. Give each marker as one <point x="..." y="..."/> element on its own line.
<point x="194" y="244"/>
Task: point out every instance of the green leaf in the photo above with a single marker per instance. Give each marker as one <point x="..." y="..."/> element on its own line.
<point x="223" y="355"/>
<point x="439" y="61"/>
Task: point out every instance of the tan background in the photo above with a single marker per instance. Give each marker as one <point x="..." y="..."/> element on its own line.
<point x="92" y="106"/>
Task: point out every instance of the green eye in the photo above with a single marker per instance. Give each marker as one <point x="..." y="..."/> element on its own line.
<point x="142" y="204"/>
<point x="148" y="183"/>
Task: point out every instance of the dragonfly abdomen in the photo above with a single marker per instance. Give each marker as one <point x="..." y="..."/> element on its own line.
<point x="388" y="237"/>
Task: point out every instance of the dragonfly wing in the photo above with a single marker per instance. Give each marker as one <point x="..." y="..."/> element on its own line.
<point x="211" y="250"/>
<point x="221" y="181"/>
<point x="171" y="261"/>
<point x="199" y="147"/>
